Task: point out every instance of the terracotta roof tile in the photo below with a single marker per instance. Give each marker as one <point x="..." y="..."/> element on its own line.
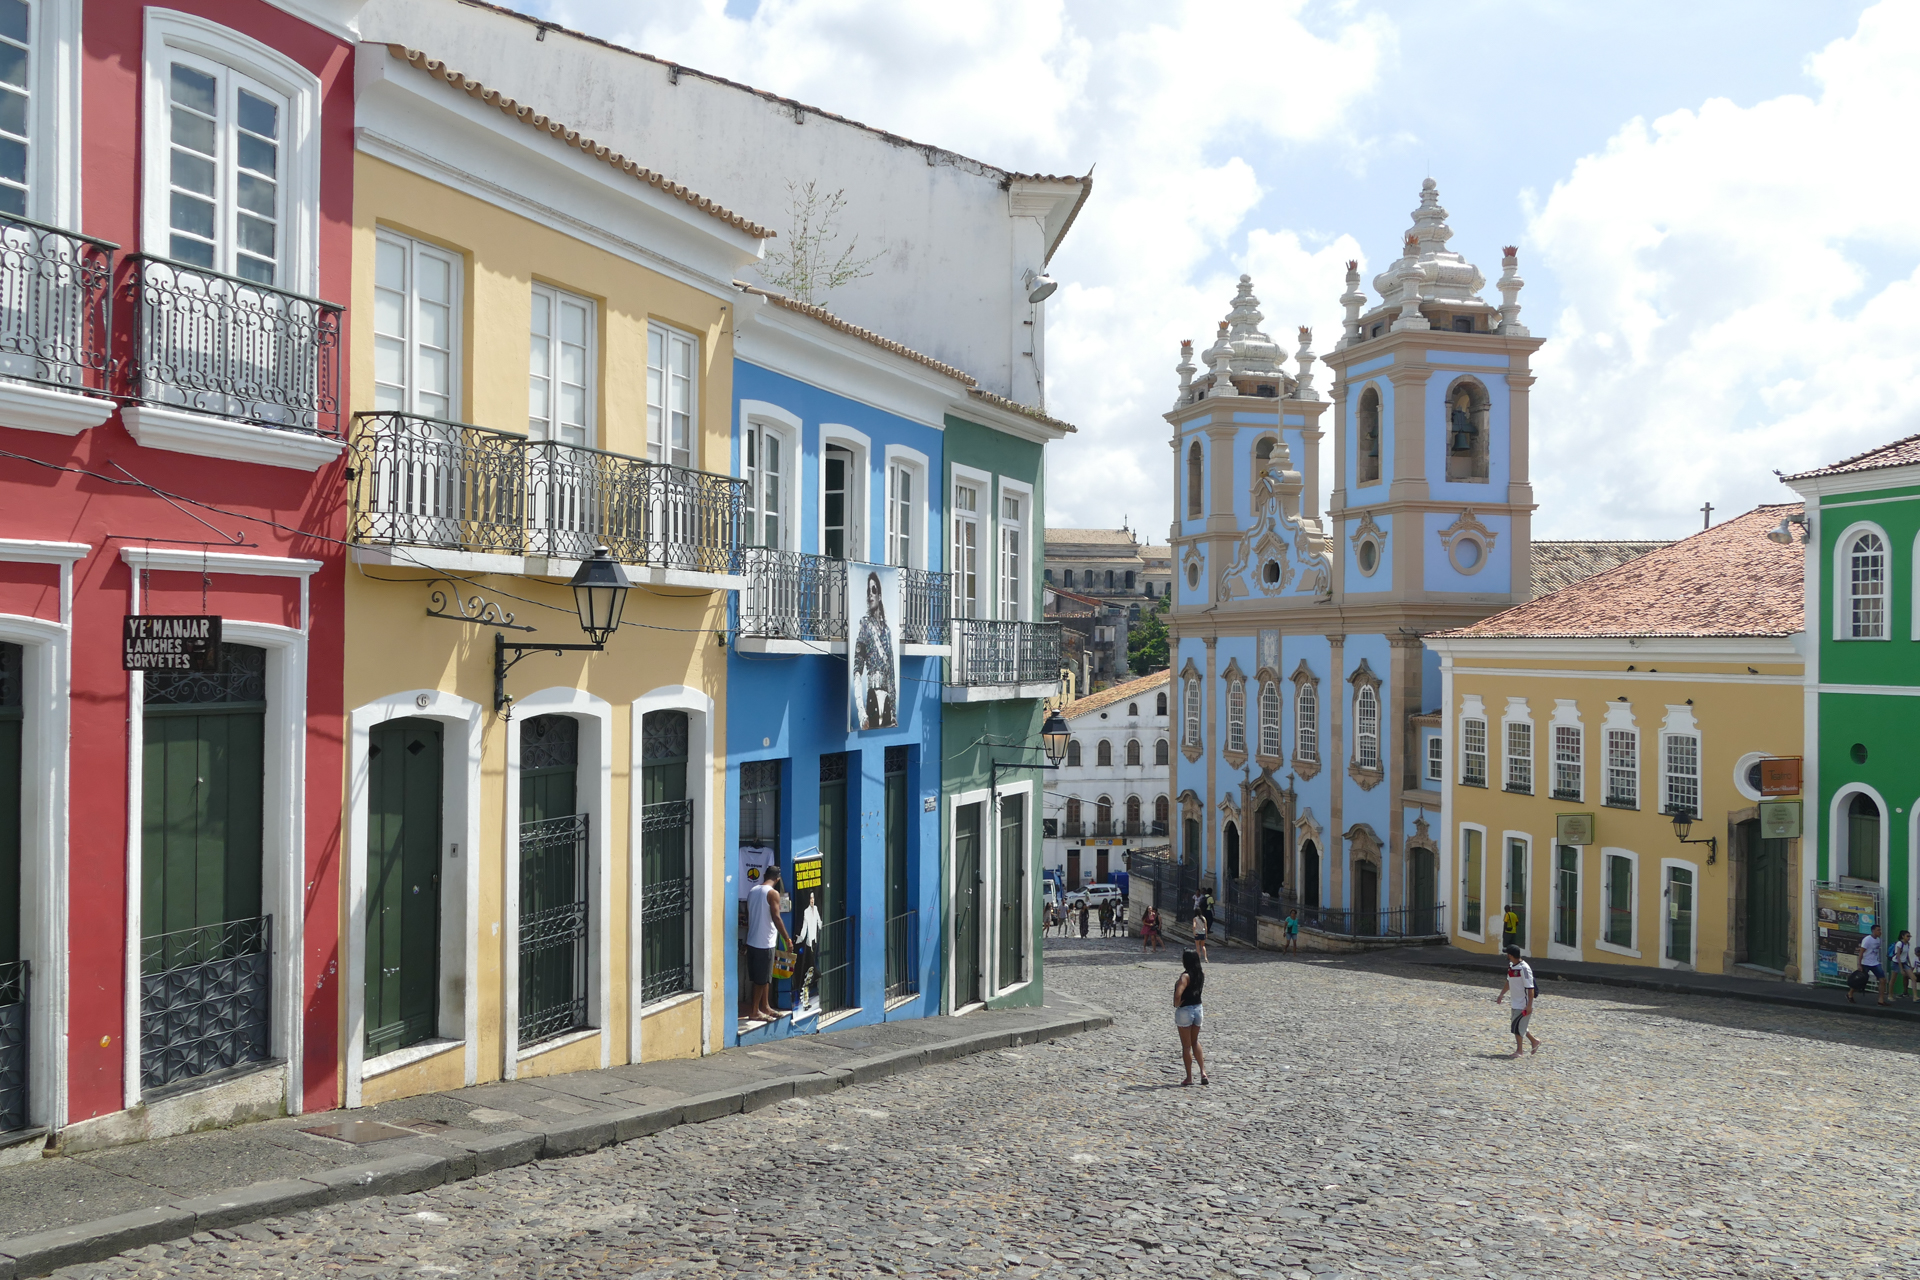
<point x="1058" y="537"/>
<point x="1901" y="453"/>
<point x="1561" y="564"/>
<point x="1119" y="693"/>
<point x="833" y="321"/>
<point x="573" y="138"/>
<point x="1014" y="406"/>
<point x="1730" y="580"/>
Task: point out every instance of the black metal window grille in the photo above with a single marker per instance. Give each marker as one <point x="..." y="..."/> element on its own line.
<point x="235" y="348"/>
<point x="791" y="595"/>
<point x="836" y="964"/>
<point x="553" y="927"/>
<point x="833" y="767"/>
<point x="903" y="956"/>
<point x="424" y="481"/>
<point x="896" y="760"/>
<point x="205" y="999"/>
<point x="550" y="742"/>
<point x="924" y="598"/>
<point x="13" y="1046"/>
<point x="12" y="659"/>
<point x="56" y="305"/>
<point x="240" y="680"/>
<point x="666" y="857"/>
<point x="989" y="652"/>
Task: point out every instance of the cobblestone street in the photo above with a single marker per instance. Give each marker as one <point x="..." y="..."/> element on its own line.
<point x="1361" y="1122"/>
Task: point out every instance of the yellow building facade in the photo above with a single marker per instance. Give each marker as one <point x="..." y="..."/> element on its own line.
<point x="1575" y="728"/>
<point x="541" y="366"/>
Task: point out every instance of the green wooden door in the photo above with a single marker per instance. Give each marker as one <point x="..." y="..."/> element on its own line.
<point x="1423" y="889"/>
<point x="966" y="904"/>
<point x="1680" y="915"/>
<point x="403" y="884"/>
<point x="553" y="881"/>
<point x="1766" y="897"/>
<point x="1013" y="889"/>
<point x="836" y="937"/>
<point x="11" y="656"/>
<point x="666" y="857"/>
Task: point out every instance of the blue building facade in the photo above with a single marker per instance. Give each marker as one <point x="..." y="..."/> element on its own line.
<point x="1308" y="762"/>
<point x="842" y="479"/>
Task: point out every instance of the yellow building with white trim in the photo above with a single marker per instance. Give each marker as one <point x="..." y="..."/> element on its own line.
<point x="541" y="364"/>
<point x="1655" y="686"/>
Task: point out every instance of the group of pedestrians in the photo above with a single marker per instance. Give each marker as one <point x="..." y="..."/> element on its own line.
<point x="1877" y="966"/>
<point x="1067" y="917"/>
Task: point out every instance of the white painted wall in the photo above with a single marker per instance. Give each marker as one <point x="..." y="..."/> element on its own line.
<point x="958" y="235"/>
<point x="1090" y="781"/>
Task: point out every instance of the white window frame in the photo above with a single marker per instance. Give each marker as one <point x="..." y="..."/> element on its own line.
<point x="410" y="341"/>
<point x="1236" y="714"/>
<point x="1556" y="949"/>
<point x="1517" y="715"/>
<point x="1564" y="724"/>
<point x="1619" y="719"/>
<point x="660" y="430"/>
<point x="1844" y="597"/>
<point x="979" y="604"/>
<point x="557" y="300"/>
<point x="1022" y="604"/>
<point x="1680" y="723"/>
<point x="1479" y="935"/>
<point x="857" y="531"/>
<point x="169" y="33"/>
<point x="1600" y="943"/>
<point x="1840" y="852"/>
<point x="1270" y="739"/>
<point x="1667" y="867"/>
<point x="1190" y="713"/>
<point x="765" y="419"/>
<point x="1473" y="711"/>
<point x="1306" y="721"/>
<point x="1506" y="888"/>
<point x="913" y="464"/>
<point x="53" y="113"/>
<point x="1436" y="754"/>
<point x="1366" y="742"/>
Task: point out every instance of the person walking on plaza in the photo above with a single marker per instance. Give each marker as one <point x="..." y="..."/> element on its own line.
<point x="1083" y="919"/>
<point x="1187" y="989"/>
<point x="1873" y="963"/>
<point x="763" y="925"/>
<point x="1150" y="930"/>
<point x="1201" y="927"/>
<point x="1293" y="931"/>
<point x="1520" y="986"/>
<point x="1906" y="966"/>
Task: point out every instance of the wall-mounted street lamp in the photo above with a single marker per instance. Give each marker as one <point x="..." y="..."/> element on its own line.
<point x="1039" y="287"/>
<point x="600" y="589"/>
<point x="1053" y="744"/>
<point x="1683" y="827"/>
<point x="1782" y="533"/>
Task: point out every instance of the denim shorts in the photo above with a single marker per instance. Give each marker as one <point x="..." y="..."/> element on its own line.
<point x="1187" y="1015"/>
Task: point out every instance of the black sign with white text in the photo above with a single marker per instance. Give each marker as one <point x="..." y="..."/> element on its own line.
<point x="171" y="642"/>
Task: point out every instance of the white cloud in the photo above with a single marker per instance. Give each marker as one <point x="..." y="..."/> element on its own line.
<point x="1159" y="96"/>
<point x="1724" y="313"/>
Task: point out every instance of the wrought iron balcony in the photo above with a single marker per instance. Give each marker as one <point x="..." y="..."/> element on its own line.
<point x="56" y="306"/>
<point x="1073" y="830"/>
<point x="792" y="595"/>
<point x="426" y="482"/>
<point x="988" y="652"/>
<point x="216" y="344"/>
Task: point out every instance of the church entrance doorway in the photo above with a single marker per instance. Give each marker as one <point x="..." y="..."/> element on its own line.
<point x="1309" y="874"/>
<point x="1423" y="889"/>
<point x="1366" y="898"/>
<point x="1273" y="850"/>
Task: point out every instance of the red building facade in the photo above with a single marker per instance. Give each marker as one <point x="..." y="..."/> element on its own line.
<point x="175" y="207"/>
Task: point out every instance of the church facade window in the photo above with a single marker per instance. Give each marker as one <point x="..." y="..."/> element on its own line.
<point x="1191" y="730"/>
<point x="1306" y="721"/>
<point x="1473" y="751"/>
<point x="1073" y="754"/>
<point x="1468" y="410"/>
<point x="1369" y="435"/>
<point x="1366" y="728"/>
<point x="1270" y="719"/>
<point x="1160" y="751"/>
<point x="1236" y="716"/>
<point x="1103" y="754"/>
<point x="1133" y="751"/>
<point x="1196" y="472"/>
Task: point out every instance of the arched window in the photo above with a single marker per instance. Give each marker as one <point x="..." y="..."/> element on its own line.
<point x="1195" y="469"/>
<point x="1149" y="591"/>
<point x="1867" y="588"/>
<point x="1863" y="838"/>
<point x="1467" y="414"/>
<point x="1160" y="751"/>
<point x="1263" y="452"/>
<point x="1073" y="812"/>
<point x="1069" y="577"/>
<point x="1236" y="715"/>
<point x="1103" y="754"/>
<point x="1133" y="815"/>
<point x="1133" y="751"/>
<point x="1270" y="719"/>
<point x="1109" y="579"/>
<point x="1103" y="816"/>
<point x="1160" y="815"/>
<point x="1047" y="576"/>
<point x="1306" y="722"/>
<point x="1366" y="728"/>
<point x="1190" y="841"/>
<point x="1160" y="704"/>
<point x="1073" y="754"/>
<point x="1369" y="435"/>
<point x="1129" y="579"/>
<point x="1191" y="730"/>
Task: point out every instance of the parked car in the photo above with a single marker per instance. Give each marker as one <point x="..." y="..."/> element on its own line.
<point x="1095" y="894"/>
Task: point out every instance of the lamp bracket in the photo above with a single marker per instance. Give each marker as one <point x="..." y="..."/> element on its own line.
<point x="501" y="664"/>
<point x="475" y="608"/>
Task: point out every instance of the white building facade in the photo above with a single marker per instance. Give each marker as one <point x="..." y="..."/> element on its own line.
<point x="1110" y="795"/>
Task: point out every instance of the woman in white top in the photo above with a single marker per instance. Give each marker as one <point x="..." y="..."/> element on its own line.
<point x="1905" y="965"/>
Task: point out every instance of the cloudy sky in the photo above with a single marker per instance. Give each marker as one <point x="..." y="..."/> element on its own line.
<point x="1715" y="202"/>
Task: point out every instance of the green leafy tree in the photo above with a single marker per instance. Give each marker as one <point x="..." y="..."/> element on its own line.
<point x="1147" y="641"/>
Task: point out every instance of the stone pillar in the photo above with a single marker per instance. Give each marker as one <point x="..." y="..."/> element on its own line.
<point x="1333" y="758"/>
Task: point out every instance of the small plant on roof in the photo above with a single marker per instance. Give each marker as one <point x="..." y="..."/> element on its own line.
<point x="804" y="266"/>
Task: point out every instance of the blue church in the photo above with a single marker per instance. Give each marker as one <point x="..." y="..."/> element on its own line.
<point x="1309" y="762"/>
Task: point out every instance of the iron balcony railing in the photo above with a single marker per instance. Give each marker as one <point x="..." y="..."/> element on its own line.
<point x="1103" y="828"/>
<point x="222" y="345"/>
<point x="903" y="955"/>
<point x="13" y="1046"/>
<point x="428" y="482"/>
<point x="56" y="306"/>
<point x="1073" y="830"/>
<point x="205" y="999"/>
<point x="1159" y="828"/>
<point x="792" y="595"/>
<point x="989" y="652"/>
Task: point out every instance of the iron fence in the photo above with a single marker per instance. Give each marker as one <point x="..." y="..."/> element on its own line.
<point x="553" y="927"/>
<point x="205" y="999"/>
<point x="923" y="603"/>
<point x="792" y="595"/>
<point x="56" y="306"/>
<point x="991" y="652"/>
<point x="13" y="1046"/>
<point x="1073" y="830"/>
<point x="666" y="900"/>
<point x="837" y="986"/>
<point x="1242" y="914"/>
<point x="218" y="344"/>
<point x="1398" y="922"/>
<point x="428" y="482"/>
<point x="903" y="955"/>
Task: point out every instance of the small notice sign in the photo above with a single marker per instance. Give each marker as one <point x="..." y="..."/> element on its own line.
<point x="1780" y="819"/>
<point x="1780" y="777"/>
<point x="1573" y="828"/>
<point x="806" y="873"/>
<point x="171" y="642"/>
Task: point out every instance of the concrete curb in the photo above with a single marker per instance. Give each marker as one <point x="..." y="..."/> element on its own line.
<point x="1682" y="989"/>
<point x="45" y="1251"/>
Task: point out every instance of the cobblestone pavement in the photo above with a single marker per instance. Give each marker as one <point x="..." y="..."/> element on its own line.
<point x="1360" y="1122"/>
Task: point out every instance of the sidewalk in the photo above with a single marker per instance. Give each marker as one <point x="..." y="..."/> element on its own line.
<point x="1676" y="981"/>
<point x="67" y="1209"/>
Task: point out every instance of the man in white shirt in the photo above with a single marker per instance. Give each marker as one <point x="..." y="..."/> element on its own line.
<point x="1520" y="986"/>
<point x="763" y="923"/>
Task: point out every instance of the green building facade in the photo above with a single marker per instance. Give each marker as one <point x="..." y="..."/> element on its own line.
<point x="1004" y="663"/>
<point x="1861" y="773"/>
